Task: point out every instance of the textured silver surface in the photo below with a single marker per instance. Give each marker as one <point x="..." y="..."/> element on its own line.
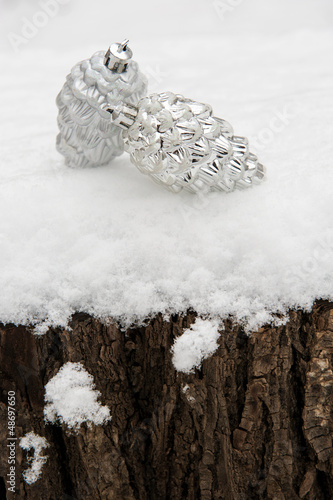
<point x="87" y="137"/>
<point x="178" y="143"/>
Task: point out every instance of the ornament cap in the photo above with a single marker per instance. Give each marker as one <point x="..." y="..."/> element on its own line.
<point x="118" y="56"/>
<point x="123" y="115"/>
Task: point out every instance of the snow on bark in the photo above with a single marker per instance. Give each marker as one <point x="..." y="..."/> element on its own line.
<point x="109" y="242"/>
<point x="71" y="398"/>
<point x="196" y="344"/>
<point x="32" y="441"/>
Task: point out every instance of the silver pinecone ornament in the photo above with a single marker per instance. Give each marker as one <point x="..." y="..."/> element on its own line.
<point x="87" y="137"/>
<point x="178" y="143"/>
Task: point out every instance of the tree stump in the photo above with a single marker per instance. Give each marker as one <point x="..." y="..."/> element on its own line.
<point x="255" y="422"/>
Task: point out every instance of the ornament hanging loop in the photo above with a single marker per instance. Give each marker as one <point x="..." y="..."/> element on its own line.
<point x="123" y="45"/>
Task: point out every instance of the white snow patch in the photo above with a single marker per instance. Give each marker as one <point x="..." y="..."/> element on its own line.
<point x="71" y="398"/>
<point x="196" y="344"/>
<point x="110" y="242"/>
<point x="189" y="398"/>
<point x="32" y="441"/>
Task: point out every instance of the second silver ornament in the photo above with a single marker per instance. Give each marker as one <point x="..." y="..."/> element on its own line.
<point x="180" y="144"/>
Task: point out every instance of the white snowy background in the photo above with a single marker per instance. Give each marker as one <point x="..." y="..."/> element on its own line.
<point x="108" y="240"/>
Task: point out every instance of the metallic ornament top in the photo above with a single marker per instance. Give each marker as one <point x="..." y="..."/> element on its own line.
<point x="118" y="56"/>
<point x="181" y="145"/>
<point x="87" y="137"/>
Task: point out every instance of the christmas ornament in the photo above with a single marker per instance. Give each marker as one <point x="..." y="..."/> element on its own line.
<point x="179" y="144"/>
<point x="87" y="137"/>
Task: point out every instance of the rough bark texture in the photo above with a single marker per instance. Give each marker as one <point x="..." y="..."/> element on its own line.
<point x="256" y="421"/>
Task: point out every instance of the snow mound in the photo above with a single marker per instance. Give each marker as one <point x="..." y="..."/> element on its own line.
<point x="71" y="398"/>
<point x="32" y="441"/>
<point x="196" y="344"/>
<point x="109" y="242"/>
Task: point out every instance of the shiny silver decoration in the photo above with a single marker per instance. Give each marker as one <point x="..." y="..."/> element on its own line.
<point x="118" y="56"/>
<point x="87" y="137"/>
<point x="179" y="144"/>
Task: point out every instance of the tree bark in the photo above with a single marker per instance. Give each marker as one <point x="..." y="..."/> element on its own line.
<point x="255" y="422"/>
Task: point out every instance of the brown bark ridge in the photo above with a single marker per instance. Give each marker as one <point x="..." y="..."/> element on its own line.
<point x="255" y="422"/>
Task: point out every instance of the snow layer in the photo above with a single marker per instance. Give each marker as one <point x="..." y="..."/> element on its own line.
<point x="196" y="344"/>
<point x="32" y="441"/>
<point x="110" y="242"/>
<point x="71" y="398"/>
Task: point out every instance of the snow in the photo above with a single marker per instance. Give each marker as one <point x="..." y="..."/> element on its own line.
<point x="195" y="344"/>
<point x="188" y="396"/>
<point x="32" y="441"/>
<point x="71" y="398"/>
<point x="110" y="242"/>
